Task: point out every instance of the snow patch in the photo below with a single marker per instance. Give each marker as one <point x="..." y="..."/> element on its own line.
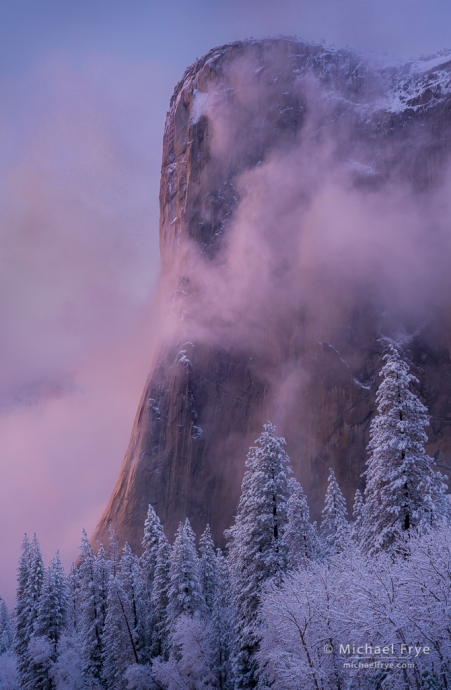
<point x="361" y="168"/>
<point x="199" y="104"/>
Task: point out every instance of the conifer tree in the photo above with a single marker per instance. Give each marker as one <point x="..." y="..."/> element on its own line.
<point x="300" y="537"/>
<point x="23" y="629"/>
<point x="53" y="605"/>
<point x="6" y="632"/>
<point x="50" y="624"/>
<point x="29" y="586"/>
<point x="159" y="600"/>
<point x="257" y="552"/>
<point x="131" y="581"/>
<point x="208" y="568"/>
<point x="153" y="532"/>
<point x="74" y="599"/>
<point x="113" y="551"/>
<point x="185" y="597"/>
<point x="119" y="646"/>
<point x="334" y="526"/>
<point x="93" y="572"/>
<point x="357" y="515"/>
<point x="222" y="625"/>
<point x="35" y="580"/>
<point x="403" y="490"/>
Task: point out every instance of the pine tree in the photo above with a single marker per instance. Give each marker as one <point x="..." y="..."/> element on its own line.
<point x="74" y="599"/>
<point x="94" y="575"/>
<point x="6" y="632"/>
<point x="159" y="600"/>
<point x="257" y="552"/>
<point x="153" y="535"/>
<point x="153" y="532"/>
<point x="357" y="515"/>
<point x="222" y="625"/>
<point x="208" y="568"/>
<point x="119" y="647"/>
<point x="300" y="537"/>
<point x="53" y="605"/>
<point x="403" y="491"/>
<point x="185" y="597"/>
<point x="29" y="586"/>
<point x="334" y="526"/>
<point x="50" y="624"/>
<point x="23" y="629"/>
<point x="35" y="580"/>
<point x="113" y="550"/>
<point x="131" y="581"/>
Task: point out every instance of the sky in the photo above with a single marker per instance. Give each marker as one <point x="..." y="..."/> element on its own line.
<point x="84" y="89"/>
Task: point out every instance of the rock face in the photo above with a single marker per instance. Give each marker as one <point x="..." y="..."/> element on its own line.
<point x="305" y="223"/>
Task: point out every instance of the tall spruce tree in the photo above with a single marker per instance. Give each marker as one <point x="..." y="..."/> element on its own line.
<point x="185" y="596"/>
<point x="300" y="536"/>
<point x="131" y="581"/>
<point x="335" y="530"/>
<point x="54" y="604"/>
<point x="6" y="631"/>
<point x="153" y="536"/>
<point x="208" y="568"/>
<point x="119" y="643"/>
<point x="23" y="629"/>
<point x="357" y="516"/>
<point x="29" y="587"/>
<point x="159" y="601"/>
<point x="74" y="599"/>
<point x="222" y="626"/>
<point x="50" y="624"/>
<point x="153" y="532"/>
<point x="403" y="490"/>
<point x="94" y="592"/>
<point x="257" y="552"/>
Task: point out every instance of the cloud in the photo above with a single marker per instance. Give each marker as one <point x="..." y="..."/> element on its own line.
<point x="78" y="267"/>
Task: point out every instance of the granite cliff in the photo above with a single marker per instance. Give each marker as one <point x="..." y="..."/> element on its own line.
<point x="305" y="222"/>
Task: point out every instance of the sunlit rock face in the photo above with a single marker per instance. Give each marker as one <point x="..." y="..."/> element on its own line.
<point x="305" y="223"/>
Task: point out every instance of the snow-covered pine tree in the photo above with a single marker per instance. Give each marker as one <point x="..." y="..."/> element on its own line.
<point x="357" y="514"/>
<point x="300" y="536"/>
<point x="153" y="532"/>
<point x="74" y="599"/>
<point x="29" y="586"/>
<point x="93" y="571"/>
<point x="403" y="490"/>
<point x="6" y="631"/>
<point x="131" y="581"/>
<point x="257" y="552"/>
<point x="50" y="624"/>
<point x="335" y="530"/>
<point x="53" y="605"/>
<point x="119" y="646"/>
<point x="113" y="551"/>
<point x="222" y="626"/>
<point x="23" y="629"/>
<point x="208" y="568"/>
<point x="159" y="601"/>
<point x="185" y="597"/>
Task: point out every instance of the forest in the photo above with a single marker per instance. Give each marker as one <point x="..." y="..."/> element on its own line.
<point x="356" y="602"/>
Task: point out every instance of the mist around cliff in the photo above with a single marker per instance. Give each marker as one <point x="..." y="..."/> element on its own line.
<point x="328" y="220"/>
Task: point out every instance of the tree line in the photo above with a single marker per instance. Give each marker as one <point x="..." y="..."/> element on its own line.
<point x="286" y="605"/>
